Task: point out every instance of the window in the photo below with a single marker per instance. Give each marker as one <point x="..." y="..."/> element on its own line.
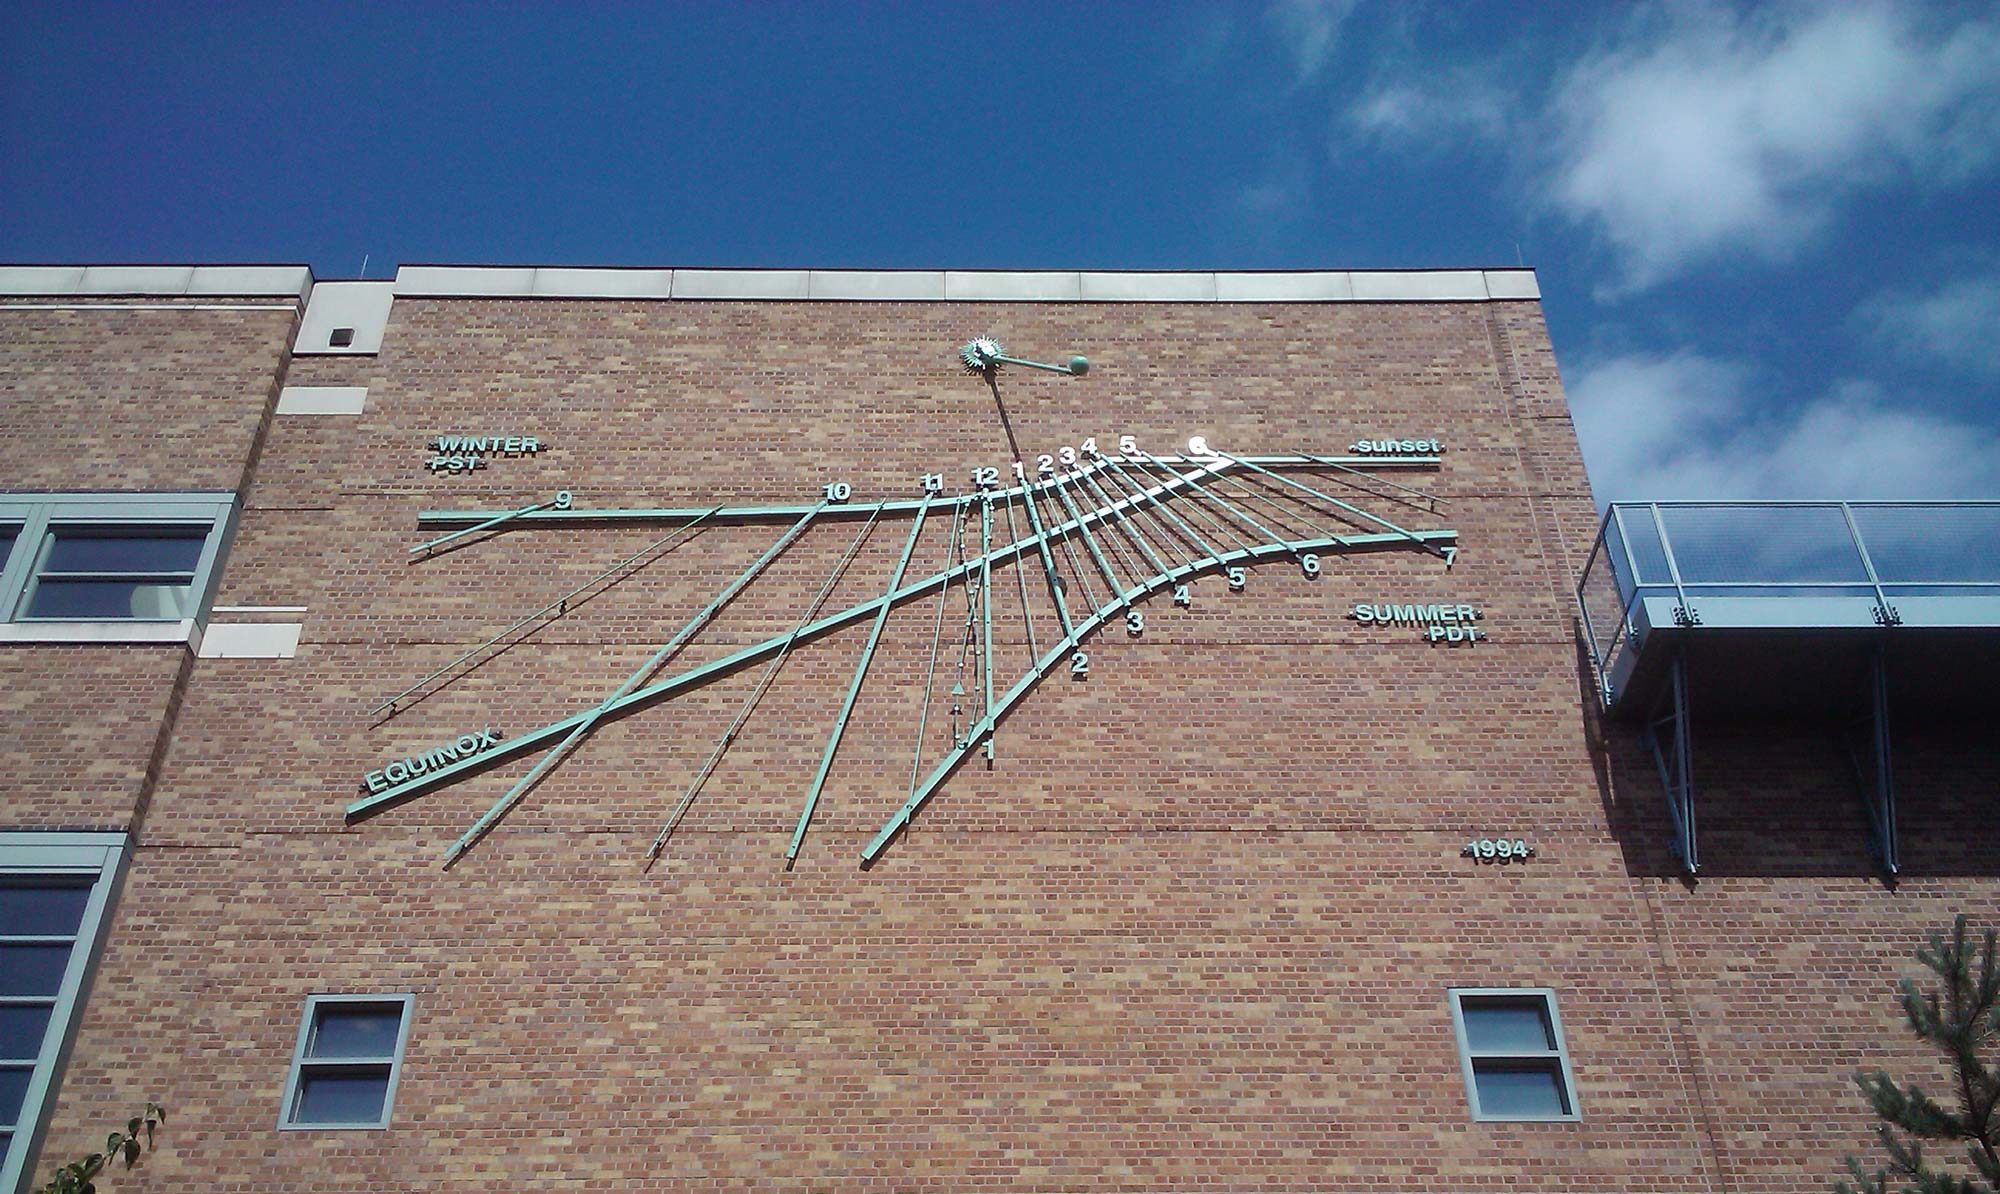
<point x="344" y="1069"/>
<point x="108" y="567"/>
<point x="1510" y="1047"/>
<point x="54" y="888"/>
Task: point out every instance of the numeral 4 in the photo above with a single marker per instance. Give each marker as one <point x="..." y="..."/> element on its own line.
<point x="1182" y="597"/>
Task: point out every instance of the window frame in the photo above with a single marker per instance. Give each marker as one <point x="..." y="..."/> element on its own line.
<point x="1468" y="1059"/>
<point x="32" y="516"/>
<point x="101" y="858"/>
<point x="301" y="1063"/>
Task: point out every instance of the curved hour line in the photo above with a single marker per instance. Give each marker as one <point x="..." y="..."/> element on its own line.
<point x="1069" y="643"/>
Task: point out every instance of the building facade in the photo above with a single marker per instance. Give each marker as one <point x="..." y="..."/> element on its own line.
<point x="556" y="728"/>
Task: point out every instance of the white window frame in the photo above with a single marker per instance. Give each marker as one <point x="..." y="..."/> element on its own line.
<point x="1468" y="1060"/>
<point x="301" y="1063"/>
<point x="101" y="858"/>
<point x="34" y="515"/>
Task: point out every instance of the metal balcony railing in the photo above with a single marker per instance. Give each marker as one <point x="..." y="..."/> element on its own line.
<point x="1793" y="565"/>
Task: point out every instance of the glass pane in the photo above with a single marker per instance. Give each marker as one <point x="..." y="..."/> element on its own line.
<point x="1506" y="1025"/>
<point x="42" y="911"/>
<point x="13" y="1092"/>
<point x="107" y="599"/>
<point x="341" y="1096"/>
<point x="32" y="969"/>
<point x="22" y="1027"/>
<point x="1520" y="1092"/>
<point x="355" y="1030"/>
<point x="175" y="549"/>
<point x="6" y="1142"/>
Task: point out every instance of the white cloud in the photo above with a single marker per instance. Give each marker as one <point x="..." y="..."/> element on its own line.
<point x="1310" y="29"/>
<point x="1464" y="102"/>
<point x="1679" y="426"/>
<point x="1956" y="324"/>
<point x="1727" y="135"/>
<point x="1699" y="134"/>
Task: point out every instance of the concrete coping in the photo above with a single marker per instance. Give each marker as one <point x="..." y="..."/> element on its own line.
<point x="846" y="285"/>
<point x="1034" y="286"/>
<point x="179" y="281"/>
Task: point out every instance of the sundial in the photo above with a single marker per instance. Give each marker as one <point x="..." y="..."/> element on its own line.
<point x="1091" y="533"/>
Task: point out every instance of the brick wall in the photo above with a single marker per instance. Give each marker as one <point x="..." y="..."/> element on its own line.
<point x="1193" y="929"/>
<point x="155" y="396"/>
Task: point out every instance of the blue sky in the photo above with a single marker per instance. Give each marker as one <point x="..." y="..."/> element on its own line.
<point x="1768" y="237"/>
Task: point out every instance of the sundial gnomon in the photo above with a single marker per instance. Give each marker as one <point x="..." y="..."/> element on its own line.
<point x="1091" y="535"/>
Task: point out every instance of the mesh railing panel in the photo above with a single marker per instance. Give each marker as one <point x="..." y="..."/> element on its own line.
<point x="1930" y="545"/>
<point x="1766" y="545"/>
<point x="1603" y="603"/>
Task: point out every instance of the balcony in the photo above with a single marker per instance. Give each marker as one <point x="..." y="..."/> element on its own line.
<point x="1836" y="610"/>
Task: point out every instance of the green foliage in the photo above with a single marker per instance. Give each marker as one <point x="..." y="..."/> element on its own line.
<point x="75" y="1177"/>
<point x="1962" y="1019"/>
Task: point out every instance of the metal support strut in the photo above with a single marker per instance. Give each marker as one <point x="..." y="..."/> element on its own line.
<point x="1675" y="757"/>
<point x="1867" y="741"/>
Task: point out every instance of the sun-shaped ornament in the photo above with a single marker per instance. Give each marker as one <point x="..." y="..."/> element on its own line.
<point x="980" y="355"/>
